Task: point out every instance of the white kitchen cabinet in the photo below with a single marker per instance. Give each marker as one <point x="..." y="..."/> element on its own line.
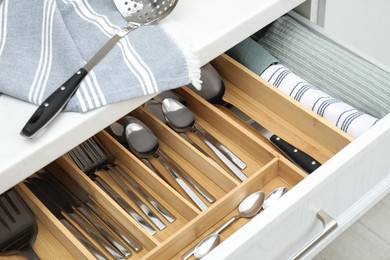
<point x="345" y="187"/>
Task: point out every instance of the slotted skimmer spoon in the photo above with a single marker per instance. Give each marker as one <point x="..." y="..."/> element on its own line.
<point x="137" y="13"/>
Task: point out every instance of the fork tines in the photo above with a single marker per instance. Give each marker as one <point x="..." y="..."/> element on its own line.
<point x="89" y="156"/>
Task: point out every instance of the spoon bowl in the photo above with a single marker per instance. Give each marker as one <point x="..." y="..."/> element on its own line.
<point x="181" y="119"/>
<point x="206" y="245"/>
<point x="248" y="207"/>
<point x="273" y="196"/>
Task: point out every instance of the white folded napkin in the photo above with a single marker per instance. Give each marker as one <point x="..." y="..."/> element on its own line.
<point x="342" y="115"/>
<point x="43" y="43"/>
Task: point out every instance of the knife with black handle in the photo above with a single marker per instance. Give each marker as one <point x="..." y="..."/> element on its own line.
<point x="213" y="90"/>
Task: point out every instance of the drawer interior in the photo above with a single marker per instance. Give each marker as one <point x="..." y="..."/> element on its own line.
<point x="267" y="169"/>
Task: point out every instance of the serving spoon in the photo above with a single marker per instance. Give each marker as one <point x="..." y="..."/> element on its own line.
<point x="137" y="13"/>
<point x="212" y="240"/>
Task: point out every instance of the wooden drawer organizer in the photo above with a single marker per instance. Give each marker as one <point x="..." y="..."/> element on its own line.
<point x="267" y="169"/>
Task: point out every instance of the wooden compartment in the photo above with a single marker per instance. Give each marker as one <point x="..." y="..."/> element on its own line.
<point x="266" y="169"/>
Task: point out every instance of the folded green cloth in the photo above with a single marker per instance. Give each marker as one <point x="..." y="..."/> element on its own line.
<point x="329" y="67"/>
<point x="252" y="55"/>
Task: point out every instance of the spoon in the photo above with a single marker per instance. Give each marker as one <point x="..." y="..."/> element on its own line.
<point x="273" y="196"/>
<point x="144" y="144"/>
<point x="248" y="208"/>
<point x="213" y="90"/>
<point x="212" y="240"/>
<point x="181" y="119"/>
<point x="154" y="106"/>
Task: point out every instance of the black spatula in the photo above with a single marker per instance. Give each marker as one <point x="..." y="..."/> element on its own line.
<point x="18" y="227"/>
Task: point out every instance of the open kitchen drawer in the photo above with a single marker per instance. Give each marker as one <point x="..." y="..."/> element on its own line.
<point x="354" y="175"/>
<point x="339" y="187"/>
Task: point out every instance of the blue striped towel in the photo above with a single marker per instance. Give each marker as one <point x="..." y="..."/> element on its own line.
<point x="342" y="115"/>
<point x="42" y="43"/>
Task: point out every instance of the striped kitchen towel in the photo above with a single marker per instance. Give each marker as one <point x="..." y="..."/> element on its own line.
<point x="329" y="66"/>
<point x="42" y="43"/>
<point x="342" y="115"/>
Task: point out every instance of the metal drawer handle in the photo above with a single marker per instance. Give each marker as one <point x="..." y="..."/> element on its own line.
<point x="329" y="225"/>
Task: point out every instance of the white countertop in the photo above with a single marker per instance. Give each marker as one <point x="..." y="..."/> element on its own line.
<point x="211" y="26"/>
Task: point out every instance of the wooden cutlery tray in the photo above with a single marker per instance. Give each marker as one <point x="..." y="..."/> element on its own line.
<point x="267" y="168"/>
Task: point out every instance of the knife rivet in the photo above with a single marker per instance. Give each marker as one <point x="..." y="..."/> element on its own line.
<point x="277" y="138"/>
<point x="78" y="72"/>
<point x="313" y="162"/>
<point x="46" y="104"/>
<point x="295" y="150"/>
<point x="62" y="88"/>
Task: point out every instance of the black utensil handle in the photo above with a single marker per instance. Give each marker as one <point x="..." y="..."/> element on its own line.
<point x="303" y="160"/>
<point x="53" y="105"/>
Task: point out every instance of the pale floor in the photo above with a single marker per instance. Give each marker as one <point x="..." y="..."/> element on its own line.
<point x="368" y="238"/>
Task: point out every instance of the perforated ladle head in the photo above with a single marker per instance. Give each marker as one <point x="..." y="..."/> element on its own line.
<point x="144" y="12"/>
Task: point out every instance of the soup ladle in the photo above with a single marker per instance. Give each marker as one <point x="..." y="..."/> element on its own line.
<point x="181" y="119"/>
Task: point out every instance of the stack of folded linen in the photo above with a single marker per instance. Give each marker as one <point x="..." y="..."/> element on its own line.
<point x="346" y="90"/>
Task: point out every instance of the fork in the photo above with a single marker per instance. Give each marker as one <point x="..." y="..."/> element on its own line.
<point x="92" y="155"/>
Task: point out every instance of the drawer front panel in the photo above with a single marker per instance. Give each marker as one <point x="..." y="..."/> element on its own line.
<point x="337" y="187"/>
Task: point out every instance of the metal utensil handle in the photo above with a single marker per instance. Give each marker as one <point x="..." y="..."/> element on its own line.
<point x="125" y="206"/>
<point x="142" y="206"/>
<point x="194" y="197"/>
<point x="113" y="225"/>
<point x="329" y="225"/>
<point x="207" y="195"/>
<point x="157" y="205"/>
<point x="94" y="220"/>
<point x="95" y="234"/>
<point x="88" y="244"/>
<point x="228" y="153"/>
<point x="218" y="230"/>
<point x="237" y="171"/>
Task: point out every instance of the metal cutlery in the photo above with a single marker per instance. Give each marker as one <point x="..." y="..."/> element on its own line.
<point x="152" y="12"/>
<point x="170" y="94"/>
<point x="181" y="119"/>
<point x="89" y="158"/>
<point x="18" y="228"/>
<point x="79" y="193"/>
<point x="144" y="144"/>
<point x="213" y="90"/>
<point x="90" y="214"/>
<point x="92" y="228"/>
<point x="126" y="206"/>
<point x="248" y="208"/>
<point x="64" y="217"/>
<point x="114" y="170"/>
